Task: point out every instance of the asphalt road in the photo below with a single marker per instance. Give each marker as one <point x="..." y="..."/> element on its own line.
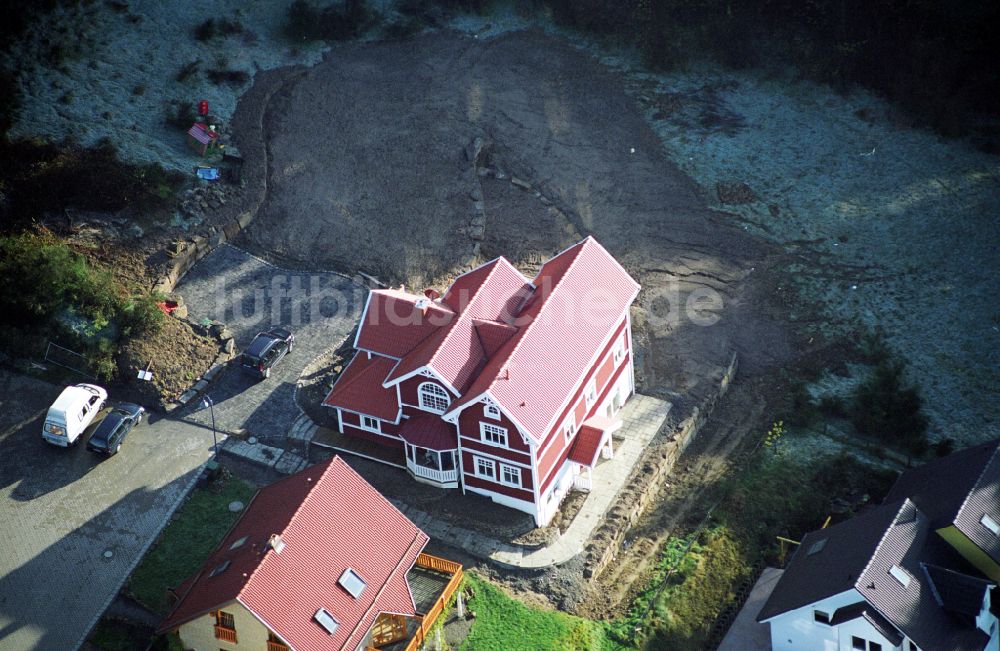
<point x="62" y="509"/>
<point x="250" y="295"/>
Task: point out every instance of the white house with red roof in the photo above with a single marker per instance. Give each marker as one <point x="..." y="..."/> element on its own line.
<point x="504" y="386"/>
<point x="320" y="561"/>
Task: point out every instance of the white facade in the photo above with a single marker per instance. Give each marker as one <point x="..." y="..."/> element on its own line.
<point x="801" y="630"/>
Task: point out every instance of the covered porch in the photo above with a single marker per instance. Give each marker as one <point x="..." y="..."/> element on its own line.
<point x="431" y="450"/>
<point x="593" y="442"/>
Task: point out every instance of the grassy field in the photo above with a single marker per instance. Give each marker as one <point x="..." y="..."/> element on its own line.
<point x="187" y="541"/>
<point x="504" y="623"/>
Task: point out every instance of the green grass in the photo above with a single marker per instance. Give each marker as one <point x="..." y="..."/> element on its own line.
<point x="503" y="623"/>
<point x="186" y="542"/>
<point x="771" y="495"/>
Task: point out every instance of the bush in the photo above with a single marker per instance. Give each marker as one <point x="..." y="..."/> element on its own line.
<point x="211" y="28"/>
<point x="141" y="317"/>
<point x="186" y="71"/>
<point x="231" y="77"/>
<point x="887" y="408"/>
<point x="336" y="22"/>
<point x="180" y="114"/>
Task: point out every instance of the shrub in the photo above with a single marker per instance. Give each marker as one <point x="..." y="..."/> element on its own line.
<point x="887" y="408"/>
<point x="231" y="77"/>
<point x="180" y="114"/>
<point x="140" y="317"/>
<point x="211" y="28"/>
<point x="336" y="22"/>
<point x="186" y="71"/>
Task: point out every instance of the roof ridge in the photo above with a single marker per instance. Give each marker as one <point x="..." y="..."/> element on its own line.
<point x="885" y="534"/>
<point x="523" y="333"/>
<point x="993" y="457"/>
<point x="460" y="315"/>
<point x="302" y="504"/>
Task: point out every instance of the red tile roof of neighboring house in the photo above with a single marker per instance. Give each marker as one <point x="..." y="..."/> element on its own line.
<point x="580" y="295"/>
<point x="329" y="519"/>
<point x="359" y="388"/>
<point x="587" y="444"/>
<point x="427" y="430"/>
<point x="394" y="325"/>
<point x="491" y="292"/>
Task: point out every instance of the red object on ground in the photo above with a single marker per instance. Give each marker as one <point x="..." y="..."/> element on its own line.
<point x="203" y="107"/>
<point x="167" y="307"/>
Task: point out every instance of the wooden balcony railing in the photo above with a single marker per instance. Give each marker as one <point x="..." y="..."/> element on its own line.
<point x="276" y="646"/>
<point x="225" y="634"/>
<point x="435" y="563"/>
<point x="439" y="564"/>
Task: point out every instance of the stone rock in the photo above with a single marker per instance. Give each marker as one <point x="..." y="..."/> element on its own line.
<point x="478" y="220"/>
<point x="520" y="183"/>
<point x="476" y="194"/>
<point x="774" y="209"/>
<point x="477" y="232"/>
<point x="229" y="346"/>
<point x="181" y="311"/>
<point x="734" y="192"/>
<point x="476" y="249"/>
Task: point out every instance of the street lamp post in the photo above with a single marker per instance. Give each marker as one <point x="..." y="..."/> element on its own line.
<point x="207" y="402"/>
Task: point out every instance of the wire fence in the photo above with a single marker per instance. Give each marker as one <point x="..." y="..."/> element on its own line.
<point x="68" y="359"/>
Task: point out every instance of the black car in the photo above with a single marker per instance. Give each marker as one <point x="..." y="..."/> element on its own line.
<point x="266" y="350"/>
<point x="111" y="427"/>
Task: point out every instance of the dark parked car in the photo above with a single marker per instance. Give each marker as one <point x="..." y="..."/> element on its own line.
<point x="266" y="350"/>
<point x="111" y="427"/>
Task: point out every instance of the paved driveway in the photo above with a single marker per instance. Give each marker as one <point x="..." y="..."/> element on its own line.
<point x="249" y="295"/>
<point x="62" y="509"/>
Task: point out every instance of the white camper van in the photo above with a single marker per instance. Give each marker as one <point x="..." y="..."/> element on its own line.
<point x="72" y="411"/>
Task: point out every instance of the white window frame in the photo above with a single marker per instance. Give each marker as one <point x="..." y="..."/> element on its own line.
<point x="590" y="393"/>
<point x="491" y="411"/>
<point x="430" y="391"/>
<point x="480" y="462"/>
<point x="514" y="471"/>
<point x="569" y="428"/>
<point x="368" y="428"/>
<point x="619" y="353"/>
<point x="500" y="432"/>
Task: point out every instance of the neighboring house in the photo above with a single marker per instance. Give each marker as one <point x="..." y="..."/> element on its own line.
<point x="913" y="574"/>
<point x="318" y="561"/>
<point x="506" y="387"/>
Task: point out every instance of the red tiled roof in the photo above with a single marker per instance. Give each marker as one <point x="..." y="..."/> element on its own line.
<point x="581" y="293"/>
<point x="329" y="519"/>
<point x="493" y="334"/>
<point x="202" y="134"/>
<point x="429" y="431"/>
<point x="359" y="388"/>
<point x="491" y="292"/>
<point x="393" y="325"/>
<point x="587" y="444"/>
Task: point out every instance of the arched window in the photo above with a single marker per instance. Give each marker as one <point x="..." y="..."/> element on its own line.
<point x="433" y="398"/>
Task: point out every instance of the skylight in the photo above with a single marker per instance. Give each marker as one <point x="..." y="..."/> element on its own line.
<point x="351" y="581"/>
<point x="238" y="543"/>
<point x="990" y="524"/>
<point x="219" y="569"/>
<point x="900" y="575"/>
<point x="326" y="620"/>
<point x="817" y="547"/>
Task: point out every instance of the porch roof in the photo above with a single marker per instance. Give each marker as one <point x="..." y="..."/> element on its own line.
<point x="592" y="435"/>
<point x="429" y="431"/>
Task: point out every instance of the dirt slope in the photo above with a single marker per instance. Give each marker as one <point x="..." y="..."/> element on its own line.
<point x="369" y="171"/>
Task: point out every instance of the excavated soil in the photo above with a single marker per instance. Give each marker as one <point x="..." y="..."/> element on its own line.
<point x="371" y="168"/>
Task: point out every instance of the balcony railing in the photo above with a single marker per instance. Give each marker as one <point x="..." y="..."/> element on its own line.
<point x="225" y="634"/>
<point x="276" y="646"/>
<point x="440" y="564"/>
<point x="439" y="476"/>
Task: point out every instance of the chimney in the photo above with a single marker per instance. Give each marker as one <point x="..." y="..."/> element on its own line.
<point x="276" y="543"/>
<point x="422" y="304"/>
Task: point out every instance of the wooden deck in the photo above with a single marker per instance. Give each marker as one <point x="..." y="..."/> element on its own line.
<point x="433" y="581"/>
<point x="331" y="439"/>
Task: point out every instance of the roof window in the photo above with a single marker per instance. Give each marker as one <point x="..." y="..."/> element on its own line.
<point x="219" y="569"/>
<point x="239" y="543"/>
<point x="900" y="575"/>
<point x="817" y="547"/>
<point x="326" y="620"/>
<point x="990" y="524"/>
<point x="351" y="581"/>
